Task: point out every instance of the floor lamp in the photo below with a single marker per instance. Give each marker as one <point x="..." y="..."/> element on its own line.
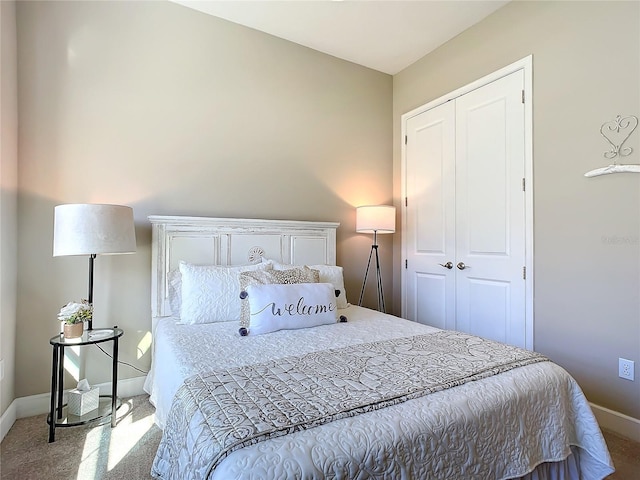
<point x="376" y="219"/>
<point x="93" y="229"/>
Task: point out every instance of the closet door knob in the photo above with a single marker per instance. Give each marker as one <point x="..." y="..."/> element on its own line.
<point x="461" y="266"/>
<point x="448" y="265"/>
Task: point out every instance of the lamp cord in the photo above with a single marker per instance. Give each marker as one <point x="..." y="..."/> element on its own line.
<point x="124" y="363"/>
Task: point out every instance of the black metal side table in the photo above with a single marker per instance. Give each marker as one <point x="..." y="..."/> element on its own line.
<point x="58" y="417"/>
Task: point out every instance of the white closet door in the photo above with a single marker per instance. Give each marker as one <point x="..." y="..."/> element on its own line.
<point x="490" y="211"/>
<point x="464" y="171"/>
<point x="430" y="228"/>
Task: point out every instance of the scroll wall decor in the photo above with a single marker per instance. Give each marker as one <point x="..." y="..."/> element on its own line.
<point x="616" y="132"/>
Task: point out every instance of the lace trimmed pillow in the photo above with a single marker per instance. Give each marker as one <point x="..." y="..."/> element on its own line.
<point x="328" y="274"/>
<point x="267" y="277"/>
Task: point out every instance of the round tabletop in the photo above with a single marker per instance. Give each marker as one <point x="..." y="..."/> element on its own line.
<point x="88" y="337"/>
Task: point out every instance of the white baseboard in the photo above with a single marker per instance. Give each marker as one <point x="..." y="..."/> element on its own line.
<point x="7" y="419"/>
<point x="617" y="422"/>
<point x="38" y="404"/>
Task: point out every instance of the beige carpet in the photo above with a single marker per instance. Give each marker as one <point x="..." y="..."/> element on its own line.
<point x="127" y="451"/>
<point x="84" y="452"/>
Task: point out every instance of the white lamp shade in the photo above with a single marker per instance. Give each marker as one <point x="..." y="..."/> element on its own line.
<point x="376" y="219"/>
<point x="86" y="229"/>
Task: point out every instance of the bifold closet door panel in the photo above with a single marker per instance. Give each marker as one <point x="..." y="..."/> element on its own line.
<point x="430" y="233"/>
<point x="490" y="211"/>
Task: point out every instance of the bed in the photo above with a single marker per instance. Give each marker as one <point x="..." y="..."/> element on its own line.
<point x="353" y="394"/>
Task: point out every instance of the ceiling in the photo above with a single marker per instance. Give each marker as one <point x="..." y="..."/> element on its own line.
<point x="385" y="35"/>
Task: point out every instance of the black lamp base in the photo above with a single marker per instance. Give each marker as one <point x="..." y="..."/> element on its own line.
<point x="381" y="305"/>
<point x="92" y="257"/>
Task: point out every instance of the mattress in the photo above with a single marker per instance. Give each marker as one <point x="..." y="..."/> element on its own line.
<point x="503" y="426"/>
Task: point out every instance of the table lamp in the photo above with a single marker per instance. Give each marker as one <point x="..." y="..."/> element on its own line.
<point x="93" y="229"/>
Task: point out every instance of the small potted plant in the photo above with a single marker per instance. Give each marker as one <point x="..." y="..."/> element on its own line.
<point x="73" y="315"/>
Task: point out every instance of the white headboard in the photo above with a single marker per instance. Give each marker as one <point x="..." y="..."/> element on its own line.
<point x="232" y="241"/>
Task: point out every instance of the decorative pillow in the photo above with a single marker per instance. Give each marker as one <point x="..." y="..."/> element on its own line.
<point x="210" y="292"/>
<point x="266" y="277"/>
<point x="328" y="274"/>
<point x="174" y="279"/>
<point x="290" y="306"/>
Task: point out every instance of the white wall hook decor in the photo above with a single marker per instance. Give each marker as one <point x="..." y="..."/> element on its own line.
<point x="613" y="169"/>
<point x="616" y="132"/>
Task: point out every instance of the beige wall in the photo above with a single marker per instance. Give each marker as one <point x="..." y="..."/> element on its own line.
<point x="586" y="70"/>
<point x="170" y="111"/>
<point x="8" y="199"/>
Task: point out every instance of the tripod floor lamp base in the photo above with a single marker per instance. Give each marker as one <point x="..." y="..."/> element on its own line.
<point x="381" y="305"/>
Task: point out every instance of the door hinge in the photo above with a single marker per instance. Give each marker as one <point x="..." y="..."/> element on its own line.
<point x="524" y="185"/>
<point x="405" y="139"/>
<point x="522" y="96"/>
<point x="524" y="273"/>
<point x="406" y="201"/>
<point x="406" y="263"/>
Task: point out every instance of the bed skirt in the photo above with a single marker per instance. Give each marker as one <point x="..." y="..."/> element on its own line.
<point x="568" y="469"/>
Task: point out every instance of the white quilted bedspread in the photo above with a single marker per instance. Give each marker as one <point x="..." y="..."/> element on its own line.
<point x="498" y="427"/>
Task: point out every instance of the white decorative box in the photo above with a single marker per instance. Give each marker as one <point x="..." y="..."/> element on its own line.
<point x="81" y="402"/>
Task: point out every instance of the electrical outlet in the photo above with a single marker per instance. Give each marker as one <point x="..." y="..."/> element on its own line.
<point x="625" y="369"/>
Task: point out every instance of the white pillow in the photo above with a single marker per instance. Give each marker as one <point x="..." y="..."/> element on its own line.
<point x="174" y="279"/>
<point x="210" y="292"/>
<point x="290" y="306"/>
<point x="328" y="274"/>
